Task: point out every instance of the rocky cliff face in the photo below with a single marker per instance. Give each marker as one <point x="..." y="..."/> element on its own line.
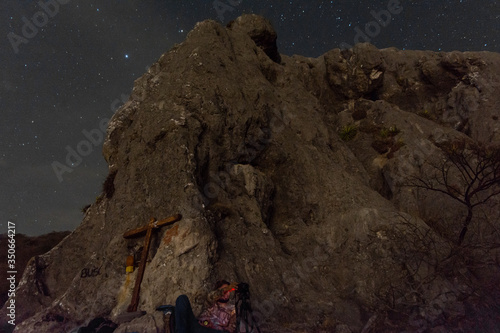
<point x="290" y="174"/>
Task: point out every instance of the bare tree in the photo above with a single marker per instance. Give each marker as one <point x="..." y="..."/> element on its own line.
<point x="468" y="173"/>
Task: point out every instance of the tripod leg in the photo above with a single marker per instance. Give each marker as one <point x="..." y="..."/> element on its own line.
<point x="254" y="323"/>
<point x="250" y="322"/>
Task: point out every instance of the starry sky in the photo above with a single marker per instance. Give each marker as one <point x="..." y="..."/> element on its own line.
<point x="67" y="65"/>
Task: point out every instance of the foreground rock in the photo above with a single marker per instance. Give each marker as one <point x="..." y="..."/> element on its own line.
<point x="245" y="144"/>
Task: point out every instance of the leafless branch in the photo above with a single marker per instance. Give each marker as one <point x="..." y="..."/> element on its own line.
<point x="478" y="168"/>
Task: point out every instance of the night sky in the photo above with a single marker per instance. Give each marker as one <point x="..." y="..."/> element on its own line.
<point x="61" y="80"/>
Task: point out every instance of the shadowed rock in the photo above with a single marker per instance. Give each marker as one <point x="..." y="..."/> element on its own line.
<point x="260" y="31"/>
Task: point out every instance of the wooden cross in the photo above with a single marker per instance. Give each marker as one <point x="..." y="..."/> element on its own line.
<point x="148" y="229"/>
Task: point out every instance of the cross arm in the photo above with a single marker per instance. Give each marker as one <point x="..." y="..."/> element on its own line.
<point x="152" y="224"/>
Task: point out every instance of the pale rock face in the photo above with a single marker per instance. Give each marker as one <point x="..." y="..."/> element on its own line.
<point x="244" y="143"/>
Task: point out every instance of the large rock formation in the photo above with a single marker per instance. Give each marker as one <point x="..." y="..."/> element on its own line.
<point x="245" y="144"/>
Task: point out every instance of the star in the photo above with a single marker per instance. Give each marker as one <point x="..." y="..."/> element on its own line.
<point x="61" y="72"/>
